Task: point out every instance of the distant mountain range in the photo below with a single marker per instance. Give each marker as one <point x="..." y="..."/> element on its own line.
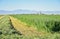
<point x="20" y="11"/>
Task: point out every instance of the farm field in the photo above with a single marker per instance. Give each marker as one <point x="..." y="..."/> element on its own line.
<point x="49" y="24"/>
<point x="30" y="26"/>
<point x="40" y="22"/>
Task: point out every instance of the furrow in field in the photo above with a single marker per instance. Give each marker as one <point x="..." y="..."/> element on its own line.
<point x="19" y="26"/>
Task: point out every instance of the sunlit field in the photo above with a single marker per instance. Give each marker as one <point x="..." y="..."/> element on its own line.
<point x="30" y="26"/>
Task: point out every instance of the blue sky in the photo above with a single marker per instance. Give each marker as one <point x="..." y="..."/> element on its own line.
<point x="43" y="5"/>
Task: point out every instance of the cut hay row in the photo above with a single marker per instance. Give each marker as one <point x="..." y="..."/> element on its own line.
<point x="1" y="17"/>
<point x="7" y="31"/>
<point x="27" y="31"/>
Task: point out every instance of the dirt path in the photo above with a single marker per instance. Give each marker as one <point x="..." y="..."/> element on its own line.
<point x="27" y="31"/>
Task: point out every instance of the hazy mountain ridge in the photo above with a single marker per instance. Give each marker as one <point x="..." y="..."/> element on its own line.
<point x="20" y="11"/>
<point x="17" y="12"/>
